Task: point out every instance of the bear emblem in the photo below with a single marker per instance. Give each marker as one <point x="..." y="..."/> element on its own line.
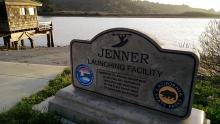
<point x="168" y="94"/>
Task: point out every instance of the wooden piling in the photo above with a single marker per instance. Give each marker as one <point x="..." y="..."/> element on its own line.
<point x="32" y="43"/>
<point x="16" y="45"/>
<point x="22" y="43"/>
<point x="12" y="45"/>
<point x="51" y="38"/>
<point x="7" y="42"/>
<point x="48" y="40"/>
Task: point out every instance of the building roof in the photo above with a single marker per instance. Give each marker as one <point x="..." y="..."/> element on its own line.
<point x="21" y="2"/>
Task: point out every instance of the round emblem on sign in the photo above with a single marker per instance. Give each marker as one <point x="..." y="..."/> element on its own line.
<point x="84" y="75"/>
<point x="168" y="94"/>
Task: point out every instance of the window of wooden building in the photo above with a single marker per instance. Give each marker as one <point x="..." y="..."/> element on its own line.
<point x="31" y="11"/>
<point x="22" y="11"/>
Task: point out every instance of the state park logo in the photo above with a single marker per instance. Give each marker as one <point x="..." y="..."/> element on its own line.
<point x="168" y="94"/>
<point x="84" y="75"/>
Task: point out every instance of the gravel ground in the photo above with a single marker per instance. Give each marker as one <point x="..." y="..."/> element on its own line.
<point x="48" y="56"/>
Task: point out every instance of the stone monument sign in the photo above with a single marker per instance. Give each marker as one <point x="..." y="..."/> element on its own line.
<point x="127" y="65"/>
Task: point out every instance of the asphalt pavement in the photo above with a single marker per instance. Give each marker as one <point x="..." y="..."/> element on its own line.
<point x="18" y="80"/>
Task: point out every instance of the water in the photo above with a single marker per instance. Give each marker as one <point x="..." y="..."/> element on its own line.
<point x="169" y="31"/>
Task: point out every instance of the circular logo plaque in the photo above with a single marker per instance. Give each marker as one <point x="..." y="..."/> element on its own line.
<point x="168" y="94"/>
<point x="84" y="75"/>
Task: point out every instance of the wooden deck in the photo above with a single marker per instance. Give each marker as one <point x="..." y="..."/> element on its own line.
<point x="15" y="39"/>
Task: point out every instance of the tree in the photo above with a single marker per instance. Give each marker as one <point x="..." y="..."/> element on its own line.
<point x="48" y="5"/>
<point x="211" y="10"/>
<point x="210" y="44"/>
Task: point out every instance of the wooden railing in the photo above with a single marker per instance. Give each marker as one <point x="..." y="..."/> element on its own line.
<point x="45" y="26"/>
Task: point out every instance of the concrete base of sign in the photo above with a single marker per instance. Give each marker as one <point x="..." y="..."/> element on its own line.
<point x="82" y="106"/>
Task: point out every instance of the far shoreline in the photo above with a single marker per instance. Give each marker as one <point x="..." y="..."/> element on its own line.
<point x="112" y="15"/>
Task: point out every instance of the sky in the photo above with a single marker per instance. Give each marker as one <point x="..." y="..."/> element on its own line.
<point x="206" y="4"/>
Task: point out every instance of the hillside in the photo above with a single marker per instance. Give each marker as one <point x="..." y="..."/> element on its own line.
<point x="127" y="7"/>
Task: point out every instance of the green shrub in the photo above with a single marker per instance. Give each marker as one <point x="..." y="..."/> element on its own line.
<point x="207" y="98"/>
<point x="22" y="113"/>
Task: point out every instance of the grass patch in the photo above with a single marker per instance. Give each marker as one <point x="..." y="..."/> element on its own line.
<point x="23" y="113"/>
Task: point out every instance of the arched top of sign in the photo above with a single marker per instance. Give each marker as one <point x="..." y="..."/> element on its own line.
<point x="151" y="40"/>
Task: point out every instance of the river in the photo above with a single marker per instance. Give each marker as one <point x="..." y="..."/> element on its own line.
<point x="171" y="32"/>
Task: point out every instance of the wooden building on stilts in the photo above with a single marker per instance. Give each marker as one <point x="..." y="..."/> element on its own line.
<point x="19" y="21"/>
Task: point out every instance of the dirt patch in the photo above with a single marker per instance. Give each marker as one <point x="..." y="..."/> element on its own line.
<point x="49" y="56"/>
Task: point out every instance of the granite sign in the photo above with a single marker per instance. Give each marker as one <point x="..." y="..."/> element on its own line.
<point x="130" y="66"/>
